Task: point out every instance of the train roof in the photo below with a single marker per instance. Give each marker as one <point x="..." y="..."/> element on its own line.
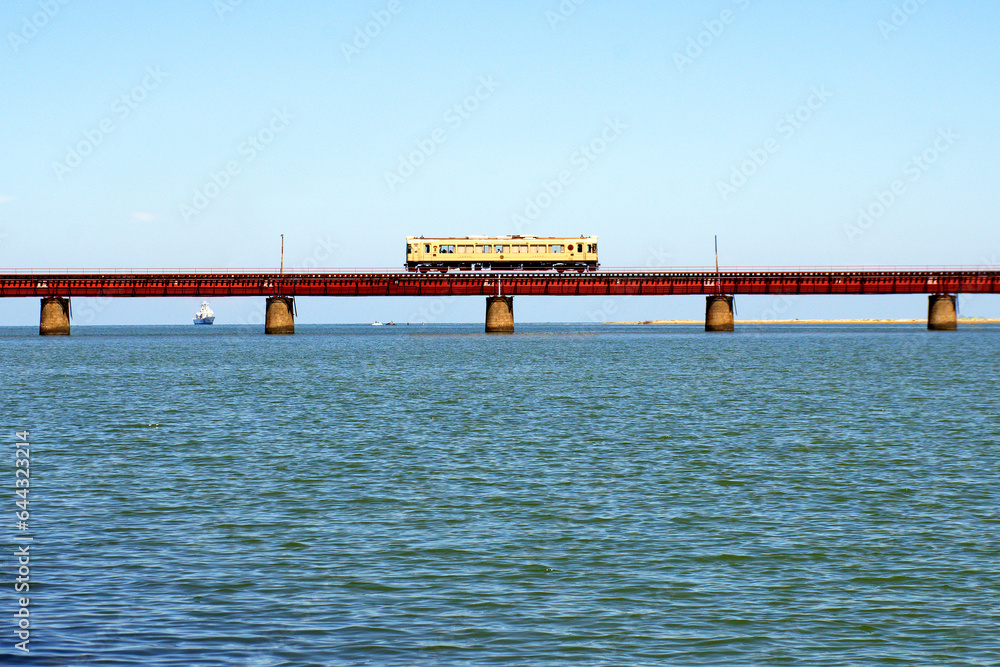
<point x="509" y="237"/>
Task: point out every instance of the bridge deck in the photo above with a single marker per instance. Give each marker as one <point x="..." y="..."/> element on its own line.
<point x="267" y="282"/>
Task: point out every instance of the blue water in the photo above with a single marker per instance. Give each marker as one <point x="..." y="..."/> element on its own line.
<point x="585" y="495"/>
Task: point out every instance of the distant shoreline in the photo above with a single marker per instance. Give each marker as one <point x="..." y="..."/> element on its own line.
<point x="961" y="320"/>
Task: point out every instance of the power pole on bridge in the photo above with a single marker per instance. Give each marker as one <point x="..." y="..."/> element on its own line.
<point x="718" y="306"/>
<point x="279" y="317"/>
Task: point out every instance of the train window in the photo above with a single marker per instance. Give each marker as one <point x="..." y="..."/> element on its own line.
<point x="520" y="249"/>
<point x="465" y="249"/>
<point x="485" y="248"/>
<point x="407" y="248"/>
<point x="427" y="247"/>
<point x="502" y="248"/>
<point x="557" y="247"/>
<point x="579" y="247"/>
<point x="595" y="248"/>
<point x="447" y="249"/>
<point x="537" y="249"/>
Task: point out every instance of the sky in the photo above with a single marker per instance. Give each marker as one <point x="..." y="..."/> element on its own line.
<point x="193" y="134"/>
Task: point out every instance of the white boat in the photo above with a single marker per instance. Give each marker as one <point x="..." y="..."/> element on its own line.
<point x="205" y="315"/>
<point x="376" y="323"/>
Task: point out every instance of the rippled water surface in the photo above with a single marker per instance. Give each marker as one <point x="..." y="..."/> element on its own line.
<point x="567" y="495"/>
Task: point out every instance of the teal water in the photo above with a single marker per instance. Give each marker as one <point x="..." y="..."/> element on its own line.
<point x="586" y="495"/>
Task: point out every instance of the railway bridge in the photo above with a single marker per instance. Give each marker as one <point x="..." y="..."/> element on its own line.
<point x="55" y="287"/>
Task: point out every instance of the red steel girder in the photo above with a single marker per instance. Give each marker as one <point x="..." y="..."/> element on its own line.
<point x="218" y="284"/>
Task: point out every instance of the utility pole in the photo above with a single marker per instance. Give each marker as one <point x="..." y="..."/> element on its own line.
<point x="718" y="276"/>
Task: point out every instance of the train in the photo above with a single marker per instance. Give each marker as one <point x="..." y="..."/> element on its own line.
<point x="501" y="253"/>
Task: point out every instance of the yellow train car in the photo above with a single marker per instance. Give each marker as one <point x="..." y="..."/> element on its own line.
<point x="473" y="253"/>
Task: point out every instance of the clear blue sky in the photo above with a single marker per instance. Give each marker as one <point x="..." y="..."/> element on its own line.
<point x="192" y="134"/>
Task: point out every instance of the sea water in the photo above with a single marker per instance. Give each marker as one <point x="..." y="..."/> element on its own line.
<point x="569" y="494"/>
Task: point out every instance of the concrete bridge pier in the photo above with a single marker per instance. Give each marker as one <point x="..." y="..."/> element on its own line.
<point x="499" y="314"/>
<point x="280" y="318"/>
<point x="718" y="312"/>
<point x="54" y="320"/>
<point x="941" y="312"/>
